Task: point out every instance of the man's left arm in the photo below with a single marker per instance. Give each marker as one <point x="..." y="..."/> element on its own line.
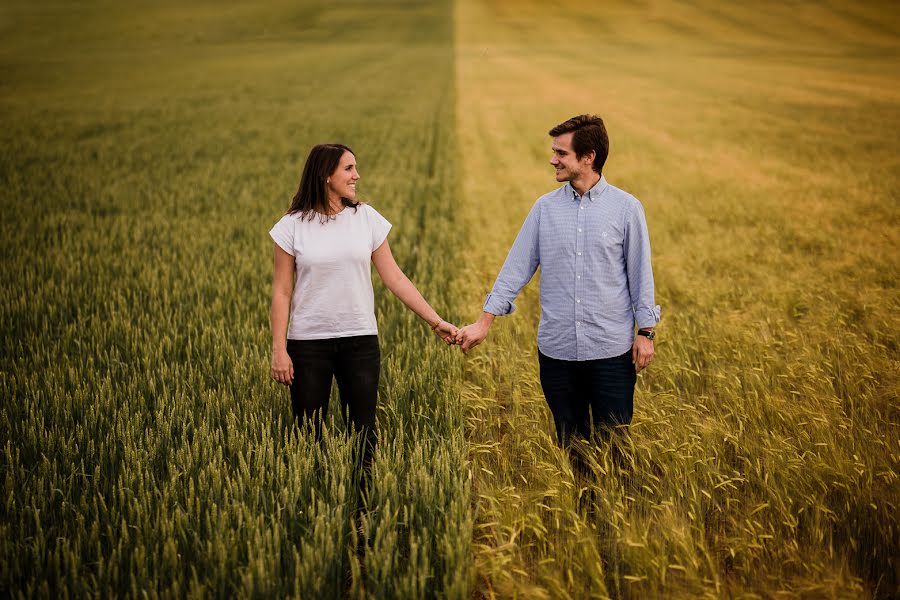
<point x="640" y="283"/>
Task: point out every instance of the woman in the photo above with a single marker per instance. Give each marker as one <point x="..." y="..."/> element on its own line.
<point x="327" y="239"/>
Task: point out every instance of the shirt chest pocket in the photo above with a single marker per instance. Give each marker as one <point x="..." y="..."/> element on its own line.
<point x="607" y="241"/>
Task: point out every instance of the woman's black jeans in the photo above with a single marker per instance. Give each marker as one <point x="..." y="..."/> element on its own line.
<point x="355" y="362"/>
<point x="588" y="395"/>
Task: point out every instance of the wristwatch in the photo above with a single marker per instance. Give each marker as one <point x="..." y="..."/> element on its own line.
<point x="647" y="333"/>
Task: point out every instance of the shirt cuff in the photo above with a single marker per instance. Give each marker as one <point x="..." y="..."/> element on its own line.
<point x="497" y="306"/>
<point x="647" y="316"/>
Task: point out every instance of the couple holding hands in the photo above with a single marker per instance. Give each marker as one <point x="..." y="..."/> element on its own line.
<point x="589" y="238"/>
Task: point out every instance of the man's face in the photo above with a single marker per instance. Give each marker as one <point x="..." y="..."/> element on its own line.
<point x="568" y="167"/>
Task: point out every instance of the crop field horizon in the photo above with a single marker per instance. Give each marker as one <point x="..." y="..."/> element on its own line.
<point x="146" y="151"/>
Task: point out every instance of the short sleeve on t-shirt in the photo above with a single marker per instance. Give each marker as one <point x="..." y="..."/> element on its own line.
<point x="283" y="233"/>
<point x="380" y="228"/>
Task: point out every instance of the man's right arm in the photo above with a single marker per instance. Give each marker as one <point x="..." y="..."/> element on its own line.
<point x="518" y="269"/>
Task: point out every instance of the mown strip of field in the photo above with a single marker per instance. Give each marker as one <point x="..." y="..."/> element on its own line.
<point x="145" y="153"/>
<point x="763" y="456"/>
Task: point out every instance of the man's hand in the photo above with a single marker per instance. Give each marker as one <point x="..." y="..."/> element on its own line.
<point x="471" y="335"/>
<point x="282" y="367"/>
<point x="641" y="353"/>
<point x="446" y="331"/>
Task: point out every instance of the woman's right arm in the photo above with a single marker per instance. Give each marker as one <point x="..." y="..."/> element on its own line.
<point x="282" y="289"/>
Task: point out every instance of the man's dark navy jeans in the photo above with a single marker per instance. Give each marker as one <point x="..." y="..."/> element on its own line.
<point x="588" y="394"/>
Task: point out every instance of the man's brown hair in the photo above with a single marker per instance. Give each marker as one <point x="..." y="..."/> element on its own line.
<point x="589" y="134"/>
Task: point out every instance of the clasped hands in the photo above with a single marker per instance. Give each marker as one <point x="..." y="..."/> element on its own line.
<point x="466" y="337"/>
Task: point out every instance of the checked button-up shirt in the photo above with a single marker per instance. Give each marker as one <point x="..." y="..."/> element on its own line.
<point x="596" y="280"/>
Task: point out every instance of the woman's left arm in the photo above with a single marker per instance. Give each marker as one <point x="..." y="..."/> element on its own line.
<point x="403" y="288"/>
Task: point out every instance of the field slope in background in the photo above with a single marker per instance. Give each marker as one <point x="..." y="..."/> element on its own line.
<point x="145" y="153"/>
<point x="762" y="143"/>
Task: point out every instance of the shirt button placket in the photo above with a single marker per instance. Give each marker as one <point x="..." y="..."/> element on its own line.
<point x="579" y="270"/>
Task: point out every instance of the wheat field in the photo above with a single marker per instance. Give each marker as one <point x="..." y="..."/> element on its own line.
<point x="147" y="149"/>
<point x="763" y="459"/>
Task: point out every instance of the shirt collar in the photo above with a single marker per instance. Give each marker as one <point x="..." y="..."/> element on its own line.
<point x="593" y="193"/>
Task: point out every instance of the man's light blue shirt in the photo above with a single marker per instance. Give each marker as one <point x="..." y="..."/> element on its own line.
<point x="596" y="279"/>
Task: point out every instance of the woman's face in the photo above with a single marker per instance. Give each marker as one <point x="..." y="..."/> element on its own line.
<point x="342" y="182"/>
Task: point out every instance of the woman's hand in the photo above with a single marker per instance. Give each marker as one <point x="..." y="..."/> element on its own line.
<point x="282" y="367"/>
<point x="446" y="331"/>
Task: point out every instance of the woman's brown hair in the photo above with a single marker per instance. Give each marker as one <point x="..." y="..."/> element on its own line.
<point x="312" y="196"/>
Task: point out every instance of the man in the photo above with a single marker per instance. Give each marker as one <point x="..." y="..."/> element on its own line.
<point x="590" y="240"/>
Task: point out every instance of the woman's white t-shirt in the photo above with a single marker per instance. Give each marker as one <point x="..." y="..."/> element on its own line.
<point x="333" y="294"/>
